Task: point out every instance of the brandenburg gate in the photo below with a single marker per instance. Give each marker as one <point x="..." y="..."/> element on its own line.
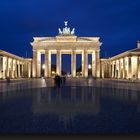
<point x="66" y="43"/>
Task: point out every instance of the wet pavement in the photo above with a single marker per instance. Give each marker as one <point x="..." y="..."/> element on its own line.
<point x="81" y="106"/>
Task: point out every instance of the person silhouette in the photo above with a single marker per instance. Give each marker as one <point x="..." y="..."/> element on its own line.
<point x="58" y="81"/>
<point x="64" y="80"/>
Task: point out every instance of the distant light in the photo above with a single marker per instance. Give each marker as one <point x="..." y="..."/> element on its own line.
<point x="68" y="75"/>
<point x="43" y="66"/>
<point x="89" y="66"/>
<point x="53" y="72"/>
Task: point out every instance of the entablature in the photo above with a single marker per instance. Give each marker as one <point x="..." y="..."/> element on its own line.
<point x="65" y="39"/>
<point x="67" y="46"/>
<point x="12" y="56"/>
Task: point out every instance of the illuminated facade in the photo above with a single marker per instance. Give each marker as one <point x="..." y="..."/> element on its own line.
<point x="13" y="66"/>
<point x="66" y="43"/>
<point x="122" y="66"/>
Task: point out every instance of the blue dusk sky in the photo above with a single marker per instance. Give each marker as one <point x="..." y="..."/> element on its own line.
<point x="116" y="22"/>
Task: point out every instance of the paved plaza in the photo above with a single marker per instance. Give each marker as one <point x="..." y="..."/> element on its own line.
<point x="73" y="82"/>
<point x="87" y="106"/>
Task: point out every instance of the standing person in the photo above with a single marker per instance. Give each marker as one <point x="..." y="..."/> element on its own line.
<point x="64" y="80"/>
<point x="8" y="79"/>
<point x="57" y="81"/>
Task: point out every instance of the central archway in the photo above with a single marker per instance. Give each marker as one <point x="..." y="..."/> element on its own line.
<point x="66" y="64"/>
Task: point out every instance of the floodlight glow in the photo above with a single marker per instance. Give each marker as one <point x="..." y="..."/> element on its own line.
<point x="89" y="66"/>
<point x="43" y="66"/>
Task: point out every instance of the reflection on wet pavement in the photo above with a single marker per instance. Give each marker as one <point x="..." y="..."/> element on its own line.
<point x="85" y="106"/>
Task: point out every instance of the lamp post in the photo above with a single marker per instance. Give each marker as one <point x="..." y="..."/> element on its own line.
<point x="42" y="70"/>
<point x="43" y="66"/>
<point x="89" y="69"/>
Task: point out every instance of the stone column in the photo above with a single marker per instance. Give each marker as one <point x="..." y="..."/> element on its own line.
<point x="7" y="68"/>
<point x="103" y="70"/>
<point x="138" y="67"/>
<point x="47" y="64"/>
<point x="126" y="68"/>
<point x="119" y="69"/>
<point x="129" y="68"/>
<point x="46" y="71"/>
<point x="34" y="69"/>
<point x="16" y="69"/>
<point x="124" y="76"/>
<point x="112" y="69"/>
<point x="22" y="69"/>
<point x="94" y="64"/>
<point x="12" y="68"/>
<point x="1" y="67"/>
<point x="29" y="70"/>
<point x="58" y="63"/>
<point x="115" y="76"/>
<point x="134" y="67"/>
<point x="73" y="64"/>
<point x="19" y="74"/>
<point x="50" y="64"/>
<point x="26" y="69"/>
<point x="85" y="64"/>
<point x="97" y="63"/>
<point x="114" y="73"/>
<point x="36" y="64"/>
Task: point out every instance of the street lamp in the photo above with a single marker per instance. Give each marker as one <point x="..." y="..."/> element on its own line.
<point x="89" y="66"/>
<point x="43" y="66"/>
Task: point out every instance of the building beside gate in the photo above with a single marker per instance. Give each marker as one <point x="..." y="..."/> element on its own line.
<point x="122" y="66"/>
<point x="13" y="66"/>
